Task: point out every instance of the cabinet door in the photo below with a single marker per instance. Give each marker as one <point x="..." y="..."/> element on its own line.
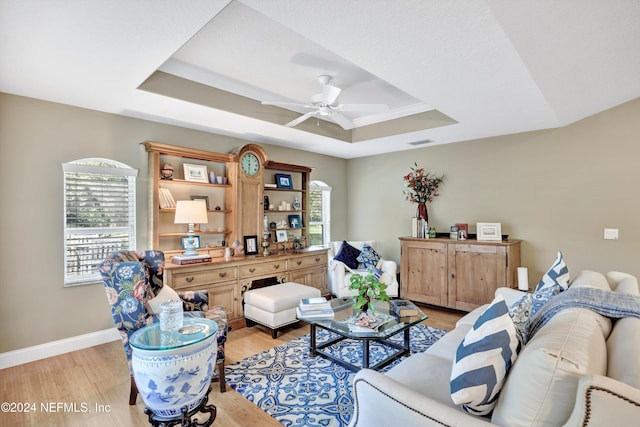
<point x="423" y="274"/>
<point x="475" y="271"/>
<point x="226" y="295"/>
<point x="316" y="277"/>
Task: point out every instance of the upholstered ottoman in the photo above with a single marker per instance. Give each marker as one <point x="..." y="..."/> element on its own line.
<point x="275" y="306"/>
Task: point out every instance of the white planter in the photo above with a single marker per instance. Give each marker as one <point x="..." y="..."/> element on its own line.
<point x="169" y="379"/>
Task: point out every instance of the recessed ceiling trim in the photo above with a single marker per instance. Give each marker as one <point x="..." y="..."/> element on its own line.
<point x="166" y="84"/>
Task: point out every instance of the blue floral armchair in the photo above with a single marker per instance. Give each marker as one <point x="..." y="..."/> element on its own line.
<point x="131" y="279"/>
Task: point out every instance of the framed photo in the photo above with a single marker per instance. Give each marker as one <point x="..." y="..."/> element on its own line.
<point x="283" y="181"/>
<point x="295" y="221"/>
<point x="489" y="231"/>
<point x="196" y="242"/>
<point x="205" y="198"/>
<point x="281" y="236"/>
<point x="195" y="173"/>
<point x="250" y="245"/>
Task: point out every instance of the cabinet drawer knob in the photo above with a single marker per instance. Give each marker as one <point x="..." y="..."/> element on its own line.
<point x="189" y="279"/>
<point x="223" y="274"/>
<point x="251" y="270"/>
<point x="299" y="262"/>
<point x="276" y="266"/>
<point x="317" y="259"/>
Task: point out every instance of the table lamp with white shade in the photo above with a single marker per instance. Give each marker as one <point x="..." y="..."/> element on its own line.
<point x="191" y="212"/>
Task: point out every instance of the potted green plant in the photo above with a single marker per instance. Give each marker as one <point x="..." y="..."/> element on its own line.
<point x="369" y="291"/>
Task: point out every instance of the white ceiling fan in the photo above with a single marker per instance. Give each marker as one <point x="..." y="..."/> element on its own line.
<point x="326" y="104"/>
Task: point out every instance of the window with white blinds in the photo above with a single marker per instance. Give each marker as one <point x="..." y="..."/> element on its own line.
<point x="319" y="213"/>
<point x="99" y="215"/>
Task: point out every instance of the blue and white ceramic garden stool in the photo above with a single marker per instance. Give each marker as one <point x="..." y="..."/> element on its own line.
<point x="173" y="370"/>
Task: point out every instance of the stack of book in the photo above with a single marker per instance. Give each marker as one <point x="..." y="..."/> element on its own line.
<point x="403" y="308"/>
<point x="195" y="259"/>
<point x="314" y="308"/>
<point x="166" y="199"/>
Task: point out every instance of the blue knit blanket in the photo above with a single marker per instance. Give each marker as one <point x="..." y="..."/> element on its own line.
<point x="614" y="305"/>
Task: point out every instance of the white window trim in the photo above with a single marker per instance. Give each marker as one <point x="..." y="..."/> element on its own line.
<point x="116" y="169"/>
<point x="326" y="209"/>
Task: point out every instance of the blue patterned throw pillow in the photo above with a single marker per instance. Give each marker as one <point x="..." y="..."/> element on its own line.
<point x="483" y="360"/>
<point x="348" y="255"/>
<point x="554" y="281"/>
<point x="368" y="257"/>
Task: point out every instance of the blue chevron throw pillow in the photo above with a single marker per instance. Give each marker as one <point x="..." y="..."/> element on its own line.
<point x="483" y="360"/>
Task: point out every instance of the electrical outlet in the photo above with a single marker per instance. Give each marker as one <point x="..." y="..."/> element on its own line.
<point x="611" y="234"/>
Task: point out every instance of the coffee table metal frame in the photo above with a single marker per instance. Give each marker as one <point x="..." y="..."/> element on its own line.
<point x="341" y="329"/>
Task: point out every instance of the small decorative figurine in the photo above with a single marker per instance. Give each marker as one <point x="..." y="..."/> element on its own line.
<point x="166" y="171"/>
<point x="296" y="204"/>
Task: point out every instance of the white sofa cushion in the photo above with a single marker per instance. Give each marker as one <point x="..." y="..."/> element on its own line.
<point x="541" y="387"/>
<point x="483" y="359"/>
<point x="427" y="374"/>
<point x="622" y="345"/>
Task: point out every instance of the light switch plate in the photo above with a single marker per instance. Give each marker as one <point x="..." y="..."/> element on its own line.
<point x="611" y="234"/>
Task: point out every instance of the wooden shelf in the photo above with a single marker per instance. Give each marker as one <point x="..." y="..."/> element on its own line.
<point x="289" y="211"/>
<point x="197" y="233"/>
<point x="294" y="190"/>
<point x="183" y="182"/>
<point x="288" y="228"/>
<point x="169" y="210"/>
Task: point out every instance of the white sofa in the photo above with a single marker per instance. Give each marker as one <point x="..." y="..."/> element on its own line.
<point x="340" y="274"/>
<point x="580" y="369"/>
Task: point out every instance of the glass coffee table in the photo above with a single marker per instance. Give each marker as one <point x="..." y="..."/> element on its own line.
<point x="341" y="324"/>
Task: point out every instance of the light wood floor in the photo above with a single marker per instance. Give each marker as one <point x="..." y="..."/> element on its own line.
<point x="90" y="387"/>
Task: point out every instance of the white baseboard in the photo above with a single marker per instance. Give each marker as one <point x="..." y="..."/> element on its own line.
<point x="54" y="348"/>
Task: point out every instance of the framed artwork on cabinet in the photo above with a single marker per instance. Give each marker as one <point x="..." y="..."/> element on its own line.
<point x="196" y="242"/>
<point x="203" y="198"/>
<point x="489" y="231"/>
<point x="295" y="221"/>
<point x="250" y="245"/>
<point x="195" y="173"/>
<point x="281" y="236"/>
<point x="284" y="181"/>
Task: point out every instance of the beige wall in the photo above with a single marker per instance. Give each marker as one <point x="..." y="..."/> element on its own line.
<point x="554" y="189"/>
<point x="36" y="137"/>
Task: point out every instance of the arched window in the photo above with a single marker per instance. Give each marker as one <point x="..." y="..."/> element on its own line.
<point x="319" y="213"/>
<point x="99" y="215"/>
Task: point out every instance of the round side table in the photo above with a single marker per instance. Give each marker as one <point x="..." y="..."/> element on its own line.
<point x="173" y="370"/>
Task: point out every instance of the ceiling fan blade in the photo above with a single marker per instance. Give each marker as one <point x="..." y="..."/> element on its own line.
<point x="344" y="123"/>
<point x="330" y="94"/>
<point x="286" y="104"/>
<point x="368" y="108"/>
<point x="301" y="119"/>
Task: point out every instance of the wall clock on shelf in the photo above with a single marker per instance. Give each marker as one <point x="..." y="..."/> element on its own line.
<point x="250" y="163"/>
<point x="252" y="159"/>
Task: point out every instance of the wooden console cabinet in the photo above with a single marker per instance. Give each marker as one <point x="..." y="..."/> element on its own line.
<point x="226" y="281"/>
<point x="459" y="274"/>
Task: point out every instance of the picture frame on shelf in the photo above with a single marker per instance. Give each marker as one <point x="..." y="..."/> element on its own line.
<point x="195" y="173"/>
<point x="281" y="236"/>
<point x="295" y="221"/>
<point x="284" y="180"/>
<point x="196" y="242"/>
<point x="204" y="198"/>
<point x="488" y="231"/>
<point x="250" y="245"/>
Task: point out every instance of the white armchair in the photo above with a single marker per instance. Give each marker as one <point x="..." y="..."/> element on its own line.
<point x="340" y="274"/>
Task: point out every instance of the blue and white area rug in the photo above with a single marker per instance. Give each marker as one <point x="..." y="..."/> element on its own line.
<point x="303" y="391"/>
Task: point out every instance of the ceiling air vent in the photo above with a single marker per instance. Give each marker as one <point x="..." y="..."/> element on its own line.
<point x="426" y="141"/>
